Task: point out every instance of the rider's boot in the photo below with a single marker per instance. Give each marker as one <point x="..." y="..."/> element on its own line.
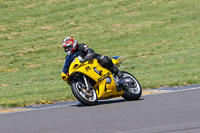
<point x="117" y="72"/>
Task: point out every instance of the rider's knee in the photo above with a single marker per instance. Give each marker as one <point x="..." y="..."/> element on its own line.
<point x="105" y="61"/>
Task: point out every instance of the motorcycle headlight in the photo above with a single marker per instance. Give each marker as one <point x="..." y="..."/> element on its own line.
<point x="63" y="76"/>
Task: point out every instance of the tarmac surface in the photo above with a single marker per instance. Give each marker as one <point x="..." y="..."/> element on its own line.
<point x="176" y="112"/>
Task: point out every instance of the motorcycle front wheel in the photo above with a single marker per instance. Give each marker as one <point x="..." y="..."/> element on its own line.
<point x="134" y="92"/>
<point x="86" y="97"/>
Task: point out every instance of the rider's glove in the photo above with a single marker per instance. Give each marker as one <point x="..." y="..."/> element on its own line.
<point x="87" y="57"/>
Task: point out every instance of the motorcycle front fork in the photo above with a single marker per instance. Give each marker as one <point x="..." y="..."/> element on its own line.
<point x="86" y="83"/>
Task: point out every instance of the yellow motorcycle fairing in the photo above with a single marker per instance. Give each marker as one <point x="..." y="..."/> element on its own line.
<point x="95" y="71"/>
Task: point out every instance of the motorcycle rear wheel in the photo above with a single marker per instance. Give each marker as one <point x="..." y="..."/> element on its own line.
<point x="82" y="95"/>
<point x="132" y="93"/>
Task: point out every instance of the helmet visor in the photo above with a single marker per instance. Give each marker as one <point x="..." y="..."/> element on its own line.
<point x="68" y="48"/>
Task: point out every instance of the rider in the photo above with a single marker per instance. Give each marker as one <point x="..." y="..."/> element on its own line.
<point x="71" y="46"/>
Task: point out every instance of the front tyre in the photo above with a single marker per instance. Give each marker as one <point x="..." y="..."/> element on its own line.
<point x="86" y="97"/>
<point x="133" y="92"/>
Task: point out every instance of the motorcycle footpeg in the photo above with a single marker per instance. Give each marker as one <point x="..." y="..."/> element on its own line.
<point x="119" y="87"/>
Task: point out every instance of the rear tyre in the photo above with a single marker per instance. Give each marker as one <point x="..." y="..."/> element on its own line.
<point x="83" y="95"/>
<point x="132" y="93"/>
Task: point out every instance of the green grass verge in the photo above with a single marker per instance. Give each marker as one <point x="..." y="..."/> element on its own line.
<point x="160" y="40"/>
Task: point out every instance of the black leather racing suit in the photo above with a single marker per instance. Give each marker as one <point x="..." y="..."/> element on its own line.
<point x="88" y="53"/>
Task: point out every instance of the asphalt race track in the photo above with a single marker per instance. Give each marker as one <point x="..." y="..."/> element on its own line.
<point x="177" y="112"/>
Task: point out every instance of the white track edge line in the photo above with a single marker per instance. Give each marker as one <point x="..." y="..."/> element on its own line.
<point x="171" y="91"/>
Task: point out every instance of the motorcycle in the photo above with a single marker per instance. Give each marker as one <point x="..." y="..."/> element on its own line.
<point x="91" y="82"/>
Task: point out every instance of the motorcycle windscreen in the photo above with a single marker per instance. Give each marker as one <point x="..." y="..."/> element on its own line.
<point x="68" y="61"/>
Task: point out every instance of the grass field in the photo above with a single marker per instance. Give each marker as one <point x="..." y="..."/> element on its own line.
<point x="160" y="40"/>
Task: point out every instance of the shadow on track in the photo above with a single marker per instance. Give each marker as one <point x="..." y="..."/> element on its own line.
<point x="103" y="102"/>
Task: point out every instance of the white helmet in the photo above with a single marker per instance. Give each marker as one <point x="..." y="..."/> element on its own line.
<point x="70" y="45"/>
